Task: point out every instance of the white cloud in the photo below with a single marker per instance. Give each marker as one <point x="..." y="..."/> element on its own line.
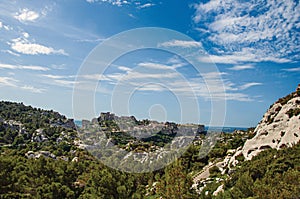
<point x="132" y="16"/>
<point x="242" y="56"/>
<point x="181" y="43"/>
<point x="171" y="64"/>
<point x="25" y="47"/>
<point x="21" y="67"/>
<point x="118" y="3"/>
<point x="70" y="80"/>
<point x="133" y="75"/>
<point x="98" y="77"/>
<point x="11" y="52"/>
<point x="158" y="66"/>
<point x="27" y="15"/>
<point x="146" y="5"/>
<point x="55" y="76"/>
<point x="63" y="82"/>
<point x="268" y="26"/>
<point x="297" y="69"/>
<point x="241" y="67"/>
<point x="152" y="87"/>
<point x="25" y="34"/>
<point x="248" y="85"/>
<point x="123" y="68"/>
<point x="11" y="82"/>
<point x="60" y="80"/>
<point x="8" y="81"/>
<point x="32" y="89"/>
<point x="210" y="86"/>
<point x="6" y="27"/>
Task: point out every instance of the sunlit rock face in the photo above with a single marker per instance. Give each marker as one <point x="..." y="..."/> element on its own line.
<point x="279" y="127"/>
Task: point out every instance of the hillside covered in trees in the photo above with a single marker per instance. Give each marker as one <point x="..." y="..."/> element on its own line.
<point x="41" y="157"/>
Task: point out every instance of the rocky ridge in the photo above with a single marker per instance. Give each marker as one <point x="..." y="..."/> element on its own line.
<point x="279" y="128"/>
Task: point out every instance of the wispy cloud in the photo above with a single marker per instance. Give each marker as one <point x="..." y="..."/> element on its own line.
<point x="23" y="46"/>
<point x="158" y="66"/>
<point x="113" y="2"/>
<point x="210" y="86"/>
<point x="8" y="81"/>
<point x="21" y="67"/>
<point x="11" y="82"/>
<point x="181" y="43"/>
<point x="243" y="56"/>
<point x="146" y="5"/>
<point x="54" y="76"/>
<point x="11" y="52"/>
<point x="98" y="77"/>
<point x="5" y="26"/>
<point x="138" y="4"/>
<point x="133" y="75"/>
<point x="297" y="69"/>
<point x="62" y="82"/>
<point x="248" y="85"/>
<point x="124" y="68"/>
<point x="69" y="81"/>
<point x="66" y="81"/>
<point x="241" y="67"/>
<point x="233" y="25"/>
<point x="27" y="15"/>
<point x="32" y="89"/>
<point x="132" y="16"/>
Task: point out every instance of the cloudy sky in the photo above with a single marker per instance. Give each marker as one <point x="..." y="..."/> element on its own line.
<point x="253" y="44"/>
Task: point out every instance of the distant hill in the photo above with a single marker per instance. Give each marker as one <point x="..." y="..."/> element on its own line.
<point x="21" y="124"/>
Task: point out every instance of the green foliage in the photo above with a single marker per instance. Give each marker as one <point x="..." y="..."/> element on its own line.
<point x="214" y="171"/>
<point x="271" y="174"/>
<point x="175" y="183"/>
<point x="293" y="112"/>
<point x="228" y="141"/>
<point x="285" y="99"/>
<point x="31" y="117"/>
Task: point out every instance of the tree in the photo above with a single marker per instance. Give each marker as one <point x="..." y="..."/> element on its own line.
<point x="175" y="184"/>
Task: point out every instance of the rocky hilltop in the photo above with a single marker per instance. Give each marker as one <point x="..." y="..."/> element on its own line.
<point x="279" y="127"/>
<point x="272" y="172"/>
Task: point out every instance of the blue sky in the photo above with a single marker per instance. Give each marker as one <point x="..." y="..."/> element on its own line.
<point x="254" y="45"/>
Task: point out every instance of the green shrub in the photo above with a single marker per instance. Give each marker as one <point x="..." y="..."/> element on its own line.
<point x="293" y="112"/>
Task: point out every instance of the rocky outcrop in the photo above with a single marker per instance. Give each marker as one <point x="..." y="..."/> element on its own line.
<point x="279" y="128"/>
<point x="67" y="123"/>
<point x="38" y="154"/>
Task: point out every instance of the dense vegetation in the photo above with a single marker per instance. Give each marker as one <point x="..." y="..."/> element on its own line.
<point x="271" y="174"/>
<point x="72" y="172"/>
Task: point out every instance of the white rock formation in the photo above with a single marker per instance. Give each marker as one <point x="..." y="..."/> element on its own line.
<point x="278" y="128"/>
<point x="218" y="190"/>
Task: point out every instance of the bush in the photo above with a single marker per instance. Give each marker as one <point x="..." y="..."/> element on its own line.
<point x="293" y="112"/>
<point x="214" y="171"/>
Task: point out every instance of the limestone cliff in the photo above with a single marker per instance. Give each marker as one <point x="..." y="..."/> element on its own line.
<point x="279" y="127"/>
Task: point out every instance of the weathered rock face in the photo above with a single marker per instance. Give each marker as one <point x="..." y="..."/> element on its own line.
<point x="279" y="128"/>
